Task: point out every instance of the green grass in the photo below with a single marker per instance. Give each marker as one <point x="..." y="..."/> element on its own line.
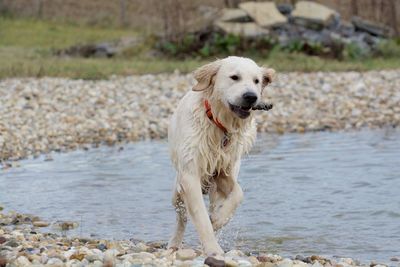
<point x="36" y="34"/>
<point x="27" y="47"/>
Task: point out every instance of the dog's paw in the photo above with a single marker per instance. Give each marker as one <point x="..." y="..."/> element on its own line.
<point x="174" y="244"/>
<point x="218" y="221"/>
<point x="213" y="250"/>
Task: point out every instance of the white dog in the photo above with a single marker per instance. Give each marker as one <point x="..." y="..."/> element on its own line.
<point x="209" y="131"/>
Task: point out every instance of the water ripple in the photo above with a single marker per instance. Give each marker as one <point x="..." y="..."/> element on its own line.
<point x="315" y="193"/>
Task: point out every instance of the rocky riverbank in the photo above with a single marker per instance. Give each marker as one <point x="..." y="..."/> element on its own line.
<point x="53" y="114"/>
<point x="22" y="243"/>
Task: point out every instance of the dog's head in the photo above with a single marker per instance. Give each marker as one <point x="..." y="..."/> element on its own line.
<point x="235" y="81"/>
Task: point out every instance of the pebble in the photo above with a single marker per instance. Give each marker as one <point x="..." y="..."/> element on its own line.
<point x="22" y="261"/>
<point x="34" y="248"/>
<point x="39" y="116"/>
<point x="234" y="253"/>
<point x="231" y="263"/>
<point x="40" y="224"/>
<point x="317" y="264"/>
<point x="185" y="254"/>
<point x="102" y="246"/>
<point x="288" y="263"/>
<point x="213" y="262"/>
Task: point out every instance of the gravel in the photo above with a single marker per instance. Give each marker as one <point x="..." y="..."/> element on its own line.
<point x="53" y="114"/>
<point x="23" y="244"/>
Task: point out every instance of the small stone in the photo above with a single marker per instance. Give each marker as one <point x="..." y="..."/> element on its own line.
<point x="213" y="262"/>
<point x="187" y="263"/>
<point x="22" y="261"/>
<point x="102" y="246"/>
<point x="286" y="263"/>
<point x="98" y="264"/>
<point x="12" y="243"/>
<point x="74" y="263"/>
<point x="139" y="247"/>
<point x="301" y="264"/>
<point x="231" y="263"/>
<point x="253" y="260"/>
<point x="317" y="264"/>
<point x="264" y="258"/>
<point x="55" y="262"/>
<point x="186" y="254"/>
<point x="3" y="262"/>
<point x="315" y="257"/>
<point x="2" y="240"/>
<point x="300" y="258"/>
<point x="65" y="225"/>
<point x="234" y="253"/>
<point x="77" y="256"/>
<point x="157" y="244"/>
<point x="394" y="259"/>
<point x="40" y="224"/>
<point x="348" y="261"/>
<point x="266" y="264"/>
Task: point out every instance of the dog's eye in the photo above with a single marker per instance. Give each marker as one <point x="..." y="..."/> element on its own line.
<point x="256" y="81"/>
<point x="235" y="77"/>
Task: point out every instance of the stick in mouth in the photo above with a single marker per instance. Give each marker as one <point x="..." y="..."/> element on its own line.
<point x="263" y="106"/>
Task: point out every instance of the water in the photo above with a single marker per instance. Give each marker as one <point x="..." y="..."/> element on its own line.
<point x="333" y="194"/>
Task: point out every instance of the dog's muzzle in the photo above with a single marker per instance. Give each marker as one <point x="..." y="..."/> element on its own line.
<point x="241" y="111"/>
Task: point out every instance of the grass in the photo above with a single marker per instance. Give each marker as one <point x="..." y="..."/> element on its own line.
<point x="27" y="49"/>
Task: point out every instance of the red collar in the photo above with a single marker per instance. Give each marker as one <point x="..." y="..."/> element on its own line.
<point x="211" y="117"/>
<point x="226" y="139"/>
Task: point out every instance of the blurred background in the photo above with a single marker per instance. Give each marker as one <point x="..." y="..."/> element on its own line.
<point x="78" y="38"/>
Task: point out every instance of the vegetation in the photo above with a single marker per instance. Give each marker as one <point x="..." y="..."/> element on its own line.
<point x="27" y="48"/>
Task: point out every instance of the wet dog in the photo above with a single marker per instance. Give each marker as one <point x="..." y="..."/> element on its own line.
<point x="212" y="127"/>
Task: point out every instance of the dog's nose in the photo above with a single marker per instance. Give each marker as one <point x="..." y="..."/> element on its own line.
<point x="250" y="97"/>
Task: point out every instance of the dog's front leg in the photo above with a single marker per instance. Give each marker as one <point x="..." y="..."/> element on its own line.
<point x="225" y="206"/>
<point x="225" y="197"/>
<point x="193" y="199"/>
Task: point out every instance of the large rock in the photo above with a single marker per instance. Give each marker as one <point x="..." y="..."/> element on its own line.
<point x="314" y="15"/>
<point x="346" y="29"/>
<point x="372" y="27"/>
<point x="264" y="14"/>
<point x="248" y="29"/>
<point x="234" y="15"/>
<point x="202" y="18"/>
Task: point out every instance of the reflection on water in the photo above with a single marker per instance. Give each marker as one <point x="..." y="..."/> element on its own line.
<point x="315" y="193"/>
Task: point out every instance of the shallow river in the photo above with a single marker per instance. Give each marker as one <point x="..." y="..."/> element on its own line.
<point x="333" y="194"/>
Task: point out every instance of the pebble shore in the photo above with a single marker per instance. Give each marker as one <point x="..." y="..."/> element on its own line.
<point x="54" y="114"/>
<point x="22" y="243"/>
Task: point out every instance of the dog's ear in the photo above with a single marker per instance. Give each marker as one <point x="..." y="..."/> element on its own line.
<point x="268" y="76"/>
<point x="205" y="75"/>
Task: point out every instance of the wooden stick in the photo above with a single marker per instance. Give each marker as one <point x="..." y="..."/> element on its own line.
<point x="263" y="106"/>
